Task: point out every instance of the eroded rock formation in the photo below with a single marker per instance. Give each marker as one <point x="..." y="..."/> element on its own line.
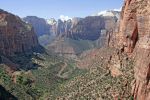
<point x="88" y="28"/>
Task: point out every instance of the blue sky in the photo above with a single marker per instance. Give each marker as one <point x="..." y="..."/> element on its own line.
<point x="55" y="8"/>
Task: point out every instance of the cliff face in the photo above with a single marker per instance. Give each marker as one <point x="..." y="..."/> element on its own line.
<point x="88" y="28"/>
<point x="15" y="35"/>
<point x="134" y="37"/>
<point x="63" y="28"/>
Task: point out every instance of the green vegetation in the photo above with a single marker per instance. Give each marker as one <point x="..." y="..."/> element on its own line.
<point x="4" y="77"/>
<point x="23" y="80"/>
<point x="54" y="77"/>
<point x="42" y="79"/>
<point x="131" y="98"/>
<point x="97" y="83"/>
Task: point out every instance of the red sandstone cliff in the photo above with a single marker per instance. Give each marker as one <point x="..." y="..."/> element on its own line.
<point x="134" y="37"/>
<point x="15" y="35"/>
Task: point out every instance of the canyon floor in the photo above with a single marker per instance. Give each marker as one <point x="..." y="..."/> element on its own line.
<point x="54" y="78"/>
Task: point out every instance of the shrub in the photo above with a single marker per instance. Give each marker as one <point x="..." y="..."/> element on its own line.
<point x="23" y="80"/>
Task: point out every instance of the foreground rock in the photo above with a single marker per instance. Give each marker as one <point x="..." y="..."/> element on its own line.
<point x="134" y="38"/>
<point x="141" y="85"/>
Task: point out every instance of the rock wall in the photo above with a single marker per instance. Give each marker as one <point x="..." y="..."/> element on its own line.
<point x="15" y="35"/>
<point x="88" y="28"/>
<point x="134" y="37"/>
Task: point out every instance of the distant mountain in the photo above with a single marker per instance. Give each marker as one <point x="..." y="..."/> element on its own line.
<point x="80" y="34"/>
<point x="74" y="32"/>
<point x="88" y="28"/>
<point x="71" y="34"/>
<point x="41" y="26"/>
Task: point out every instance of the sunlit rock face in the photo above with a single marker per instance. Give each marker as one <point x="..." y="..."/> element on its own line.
<point x="88" y="28"/>
<point x="134" y="36"/>
<point x="15" y="35"/>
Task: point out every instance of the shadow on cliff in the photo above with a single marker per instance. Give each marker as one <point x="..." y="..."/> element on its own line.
<point x="5" y="95"/>
<point x="24" y="61"/>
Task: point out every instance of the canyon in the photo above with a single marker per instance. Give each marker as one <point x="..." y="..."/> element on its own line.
<point x="101" y="57"/>
<point x="73" y="36"/>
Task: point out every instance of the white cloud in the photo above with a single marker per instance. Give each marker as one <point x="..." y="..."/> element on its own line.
<point x="64" y="18"/>
<point x="102" y="12"/>
<point x="118" y="9"/>
<point x="106" y="12"/>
